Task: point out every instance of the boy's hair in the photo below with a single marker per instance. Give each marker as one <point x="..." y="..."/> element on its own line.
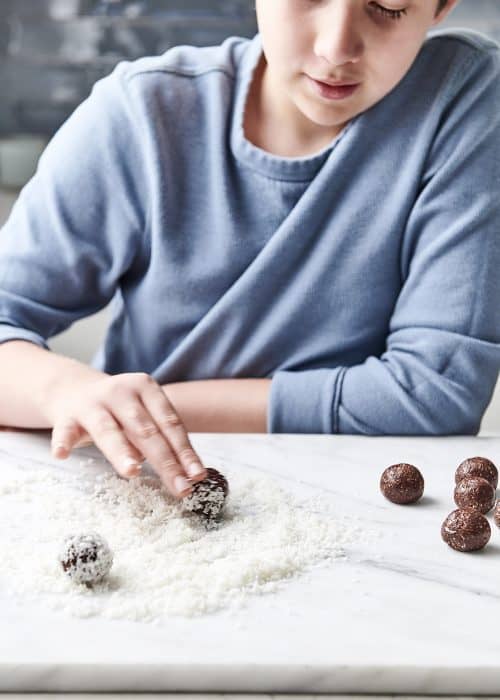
<point x="441" y="5"/>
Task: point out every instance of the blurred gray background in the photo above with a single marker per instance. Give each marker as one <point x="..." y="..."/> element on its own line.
<point x="53" y="51"/>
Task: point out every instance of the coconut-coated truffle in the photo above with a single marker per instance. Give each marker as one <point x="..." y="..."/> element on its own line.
<point x="207" y="497"/>
<point x="86" y="558"/>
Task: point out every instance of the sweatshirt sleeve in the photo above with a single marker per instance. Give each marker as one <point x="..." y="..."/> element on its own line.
<point x="442" y="356"/>
<point x="77" y="224"/>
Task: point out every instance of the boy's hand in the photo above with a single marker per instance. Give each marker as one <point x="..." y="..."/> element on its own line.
<point x="126" y="416"/>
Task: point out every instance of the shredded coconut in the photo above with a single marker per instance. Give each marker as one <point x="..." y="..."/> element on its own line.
<point x="166" y="562"/>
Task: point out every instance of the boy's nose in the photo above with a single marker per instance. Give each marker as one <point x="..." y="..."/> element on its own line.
<point x="338" y="39"/>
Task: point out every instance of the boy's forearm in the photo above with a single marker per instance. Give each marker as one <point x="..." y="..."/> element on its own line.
<point x="221" y="405"/>
<point x="28" y="373"/>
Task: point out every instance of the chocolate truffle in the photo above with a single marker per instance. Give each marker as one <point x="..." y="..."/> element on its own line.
<point x="476" y="493"/>
<point x="496" y="514"/>
<point x="208" y="497"/>
<point x="477" y="466"/>
<point x="402" y="483"/>
<point x="466" y="530"/>
<point x="86" y="558"/>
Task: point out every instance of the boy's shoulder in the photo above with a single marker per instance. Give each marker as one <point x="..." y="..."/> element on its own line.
<point x="189" y="61"/>
<point x="463" y="40"/>
<point x="460" y="55"/>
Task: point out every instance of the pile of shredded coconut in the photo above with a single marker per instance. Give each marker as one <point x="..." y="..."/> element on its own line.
<point x="166" y="562"/>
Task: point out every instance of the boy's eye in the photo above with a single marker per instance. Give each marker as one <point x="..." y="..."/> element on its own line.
<point x="380" y="9"/>
<point x="386" y="12"/>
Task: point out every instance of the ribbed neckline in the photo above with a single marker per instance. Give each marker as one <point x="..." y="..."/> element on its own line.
<point x="273" y="166"/>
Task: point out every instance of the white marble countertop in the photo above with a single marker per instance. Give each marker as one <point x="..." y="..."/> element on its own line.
<point x="401" y="614"/>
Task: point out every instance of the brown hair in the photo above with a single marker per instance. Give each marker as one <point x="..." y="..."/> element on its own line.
<point x="441" y="5"/>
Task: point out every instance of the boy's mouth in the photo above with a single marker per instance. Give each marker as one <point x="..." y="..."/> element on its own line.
<point x="335" y="83"/>
<point x="335" y="91"/>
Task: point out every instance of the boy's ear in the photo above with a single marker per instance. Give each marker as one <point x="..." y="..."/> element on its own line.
<point x="445" y="11"/>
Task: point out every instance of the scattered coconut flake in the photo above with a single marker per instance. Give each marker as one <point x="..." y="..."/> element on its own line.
<point x="166" y="562"/>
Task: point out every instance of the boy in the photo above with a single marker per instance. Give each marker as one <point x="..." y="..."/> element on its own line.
<point x="300" y="233"/>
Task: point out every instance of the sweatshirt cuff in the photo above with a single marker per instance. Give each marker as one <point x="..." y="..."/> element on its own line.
<point x="8" y="332"/>
<point x="304" y="402"/>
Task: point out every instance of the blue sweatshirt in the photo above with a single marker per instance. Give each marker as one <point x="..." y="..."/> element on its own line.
<point x="364" y="279"/>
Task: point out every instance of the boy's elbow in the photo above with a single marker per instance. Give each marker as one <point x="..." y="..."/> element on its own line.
<point x="459" y="424"/>
<point x="459" y="412"/>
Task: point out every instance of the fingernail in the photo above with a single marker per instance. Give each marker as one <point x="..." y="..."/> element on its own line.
<point x="60" y="446"/>
<point x="195" y="469"/>
<point x="181" y="484"/>
<point x="131" y="467"/>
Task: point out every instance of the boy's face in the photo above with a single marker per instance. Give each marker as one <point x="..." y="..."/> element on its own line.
<point x="353" y="41"/>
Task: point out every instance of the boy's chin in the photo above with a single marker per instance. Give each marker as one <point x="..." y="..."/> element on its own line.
<point x="323" y="120"/>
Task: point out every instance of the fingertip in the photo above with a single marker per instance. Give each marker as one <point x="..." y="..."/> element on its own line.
<point x="196" y="479"/>
<point x="130" y="468"/>
<point x="60" y="451"/>
<point x="182" y="486"/>
<point x="196" y="471"/>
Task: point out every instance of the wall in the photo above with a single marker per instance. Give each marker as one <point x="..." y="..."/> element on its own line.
<point x="52" y="51"/>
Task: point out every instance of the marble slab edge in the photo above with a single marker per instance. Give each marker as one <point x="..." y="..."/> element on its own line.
<point x="258" y="678"/>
